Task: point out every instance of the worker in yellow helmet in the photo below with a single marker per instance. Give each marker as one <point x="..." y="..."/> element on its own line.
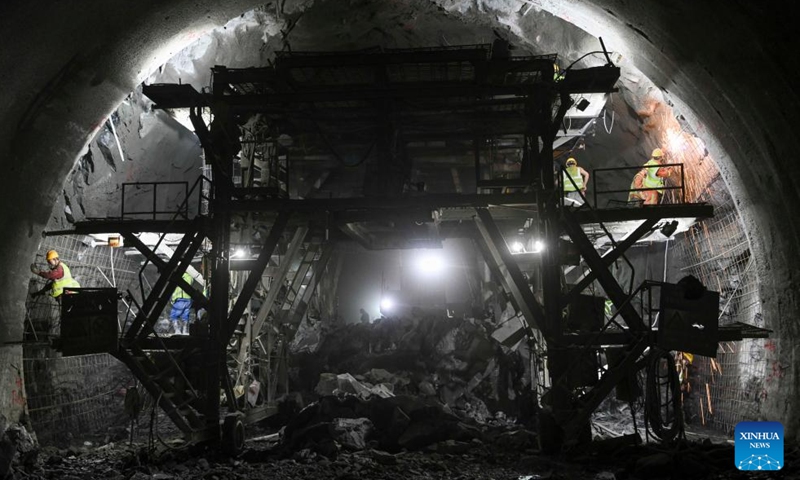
<point x="181" y="307"/>
<point x="651" y="176"/>
<point x="59" y="275"/>
<point x="575" y="180"/>
<point x="558" y="75"/>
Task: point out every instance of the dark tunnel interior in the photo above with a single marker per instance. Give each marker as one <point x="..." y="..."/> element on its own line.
<point x="379" y="274"/>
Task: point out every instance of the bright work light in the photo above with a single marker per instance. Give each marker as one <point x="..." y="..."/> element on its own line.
<point x="430" y="263"/>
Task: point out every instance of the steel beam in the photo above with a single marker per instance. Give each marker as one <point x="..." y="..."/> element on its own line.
<point x="659" y="212"/>
<point x="249" y="287"/>
<point x="354" y="93"/>
<point x="126" y="226"/>
<point x="366" y="59"/>
<point x="608" y="258"/>
<point x="358" y="234"/>
<point x="316" y="275"/>
<point x="197" y="296"/>
<point x="251" y="333"/>
<point x="604" y="276"/>
<point x="592" y="399"/>
<point x="159" y="287"/>
<point x="133" y="240"/>
<point x="431" y="201"/>
<point x="173" y="278"/>
<point x="277" y="281"/>
<point x="510" y="275"/>
<point x="300" y="275"/>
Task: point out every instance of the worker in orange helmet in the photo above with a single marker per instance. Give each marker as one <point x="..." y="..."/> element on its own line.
<point x="650" y="177"/>
<point x="59" y="276"/>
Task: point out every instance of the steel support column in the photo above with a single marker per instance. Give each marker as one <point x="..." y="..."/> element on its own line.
<point x="510" y="274"/>
<point x="249" y="287"/>
<point x="249" y="335"/>
<point x="615" y="293"/>
<point x="162" y="266"/>
<point x="608" y="258"/>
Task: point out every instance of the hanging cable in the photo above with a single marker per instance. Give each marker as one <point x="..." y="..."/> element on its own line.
<point x="596" y="52"/>
<point x="657" y="406"/>
<point x="605" y="124"/>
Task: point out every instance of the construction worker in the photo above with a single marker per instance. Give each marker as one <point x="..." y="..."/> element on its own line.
<point x="59" y="276"/>
<point x="575" y="180"/>
<point x="651" y="176"/>
<point x="557" y="74"/>
<point x="181" y="307"/>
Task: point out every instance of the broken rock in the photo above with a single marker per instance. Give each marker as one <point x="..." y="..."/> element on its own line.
<point x="383" y="458"/>
<point x="352" y="433"/>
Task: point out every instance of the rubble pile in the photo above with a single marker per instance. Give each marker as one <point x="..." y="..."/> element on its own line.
<point x="391" y="424"/>
<point x="456" y="362"/>
<point x="476" y="459"/>
<point x="18" y="448"/>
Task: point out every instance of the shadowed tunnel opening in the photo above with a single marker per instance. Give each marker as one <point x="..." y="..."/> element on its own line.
<point x="683" y="84"/>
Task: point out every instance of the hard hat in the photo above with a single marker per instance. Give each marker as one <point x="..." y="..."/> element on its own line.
<point x="657" y="153"/>
<point x="51" y="254"/>
<point x="571" y="161"/>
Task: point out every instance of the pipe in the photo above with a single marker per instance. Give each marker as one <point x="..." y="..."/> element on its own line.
<point x="114" y="131"/>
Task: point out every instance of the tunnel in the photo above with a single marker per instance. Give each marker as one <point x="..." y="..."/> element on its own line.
<point x="718" y="77"/>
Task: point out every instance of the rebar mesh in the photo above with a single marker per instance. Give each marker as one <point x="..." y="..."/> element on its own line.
<point x="724" y="391"/>
<point x="80" y="395"/>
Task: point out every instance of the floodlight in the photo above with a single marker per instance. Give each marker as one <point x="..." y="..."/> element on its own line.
<point x="430" y="263"/>
<point x="517" y="247"/>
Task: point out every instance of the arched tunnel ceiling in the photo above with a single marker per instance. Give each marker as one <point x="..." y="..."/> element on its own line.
<point x="725" y="66"/>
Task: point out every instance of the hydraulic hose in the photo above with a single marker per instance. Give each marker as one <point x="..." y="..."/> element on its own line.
<point x="662" y="397"/>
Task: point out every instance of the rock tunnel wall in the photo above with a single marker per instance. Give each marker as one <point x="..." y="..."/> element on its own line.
<point x="62" y="92"/>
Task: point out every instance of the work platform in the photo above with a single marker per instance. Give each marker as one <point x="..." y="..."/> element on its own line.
<point x="393" y="107"/>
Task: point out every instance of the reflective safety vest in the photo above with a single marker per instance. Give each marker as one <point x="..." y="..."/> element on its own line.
<point x="651" y="180"/>
<point x="179" y="293"/>
<point x="64" y="282"/>
<point x="575" y="173"/>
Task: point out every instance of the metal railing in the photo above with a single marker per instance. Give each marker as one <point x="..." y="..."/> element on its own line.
<point x="183" y="210"/>
<point x="183" y="207"/>
<point x="593" y="209"/>
<point x="681" y="188"/>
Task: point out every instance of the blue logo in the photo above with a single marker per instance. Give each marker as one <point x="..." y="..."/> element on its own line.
<point x="759" y="446"/>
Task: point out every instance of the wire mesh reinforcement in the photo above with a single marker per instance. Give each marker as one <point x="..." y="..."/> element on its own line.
<point x="69" y="397"/>
<point x="721" y="392"/>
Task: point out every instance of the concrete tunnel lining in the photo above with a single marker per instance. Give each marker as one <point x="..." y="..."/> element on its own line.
<point x="715" y="79"/>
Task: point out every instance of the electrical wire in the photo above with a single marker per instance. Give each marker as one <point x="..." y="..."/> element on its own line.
<point x="605" y="125"/>
<point x="655" y="405"/>
<point x="582" y="57"/>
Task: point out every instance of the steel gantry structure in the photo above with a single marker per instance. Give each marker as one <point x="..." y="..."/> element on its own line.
<point x="389" y="106"/>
